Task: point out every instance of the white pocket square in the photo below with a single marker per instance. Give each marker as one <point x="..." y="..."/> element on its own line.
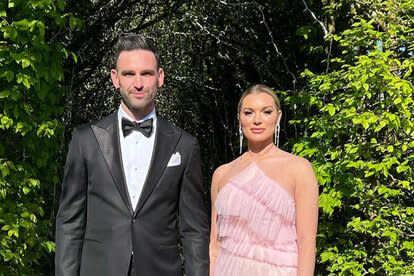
<point x="175" y="160"/>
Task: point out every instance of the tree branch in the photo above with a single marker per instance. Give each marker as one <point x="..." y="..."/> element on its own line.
<point x="325" y="30"/>
<point x="294" y="81"/>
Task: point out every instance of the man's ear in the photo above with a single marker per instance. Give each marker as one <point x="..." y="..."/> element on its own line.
<point x="160" y="77"/>
<point x="114" y="78"/>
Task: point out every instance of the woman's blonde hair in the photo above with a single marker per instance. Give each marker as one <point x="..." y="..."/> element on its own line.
<point x="257" y="89"/>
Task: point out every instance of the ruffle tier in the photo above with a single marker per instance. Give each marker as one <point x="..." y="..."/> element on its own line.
<point x="258" y="200"/>
<point x="256" y="220"/>
<point x="228" y="264"/>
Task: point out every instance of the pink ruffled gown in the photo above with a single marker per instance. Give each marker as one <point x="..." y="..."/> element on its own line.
<point x="256" y="227"/>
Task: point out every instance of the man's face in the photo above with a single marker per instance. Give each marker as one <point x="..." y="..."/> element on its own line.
<point x="138" y="79"/>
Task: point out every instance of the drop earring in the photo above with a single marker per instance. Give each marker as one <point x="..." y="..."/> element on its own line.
<point x="241" y="138"/>
<point x="277" y="132"/>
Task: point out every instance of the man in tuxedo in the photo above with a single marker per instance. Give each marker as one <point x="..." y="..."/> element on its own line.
<point x="129" y="179"/>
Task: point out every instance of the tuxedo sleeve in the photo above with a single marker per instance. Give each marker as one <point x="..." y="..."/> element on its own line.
<point x="70" y="220"/>
<point x="193" y="217"/>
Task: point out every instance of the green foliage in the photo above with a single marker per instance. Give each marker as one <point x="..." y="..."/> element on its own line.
<point x="360" y="135"/>
<point x="30" y="105"/>
<point x="355" y="121"/>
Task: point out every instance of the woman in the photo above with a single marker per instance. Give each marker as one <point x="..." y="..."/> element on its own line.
<point x="265" y="202"/>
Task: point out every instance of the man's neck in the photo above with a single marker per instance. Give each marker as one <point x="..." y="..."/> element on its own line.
<point x="136" y="115"/>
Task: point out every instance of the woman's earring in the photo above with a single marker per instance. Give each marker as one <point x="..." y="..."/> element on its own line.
<point x="241" y="138"/>
<point x="277" y="132"/>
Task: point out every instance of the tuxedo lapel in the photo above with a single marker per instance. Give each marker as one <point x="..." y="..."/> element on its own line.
<point x="107" y="135"/>
<point x="165" y="142"/>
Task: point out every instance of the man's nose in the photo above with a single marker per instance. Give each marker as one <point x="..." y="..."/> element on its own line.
<point x="138" y="83"/>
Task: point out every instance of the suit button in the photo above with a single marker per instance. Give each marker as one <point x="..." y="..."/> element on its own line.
<point x="133" y="221"/>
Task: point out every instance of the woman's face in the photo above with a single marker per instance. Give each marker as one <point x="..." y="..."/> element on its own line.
<point x="258" y="117"/>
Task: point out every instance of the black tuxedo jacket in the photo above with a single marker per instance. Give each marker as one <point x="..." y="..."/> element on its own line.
<point x="96" y="228"/>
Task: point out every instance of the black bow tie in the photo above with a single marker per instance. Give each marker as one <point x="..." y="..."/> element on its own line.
<point x="144" y="127"/>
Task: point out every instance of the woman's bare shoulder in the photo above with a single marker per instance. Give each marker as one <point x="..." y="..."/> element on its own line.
<point x="301" y="164"/>
<point x="302" y="169"/>
<point x="223" y="173"/>
<point x="293" y="160"/>
<point x="290" y="163"/>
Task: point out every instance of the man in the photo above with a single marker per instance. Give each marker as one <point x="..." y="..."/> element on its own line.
<point x="128" y="178"/>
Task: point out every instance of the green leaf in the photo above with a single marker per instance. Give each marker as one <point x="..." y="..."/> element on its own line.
<point x="26" y="190"/>
<point x="75" y="58"/>
<point x="61" y="4"/>
<point x="41" y="27"/>
<point x="6" y="227"/>
<point x="25" y="62"/>
<point x="34" y="182"/>
<point x="304" y="31"/>
<point x="328" y="256"/>
<point x="73" y="23"/>
<point x="50" y="246"/>
<point x="25" y="214"/>
<point x="33" y="218"/>
<point x="6" y="122"/>
<point x="331" y="110"/>
<point x="13" y="232"/>
<point x="402" y="168"/>
<point x="4" y="94"/>
<point x="397" y="101"/>
<point x="329" y="201"/>
<point x="23" y="24"/>
<point x="365" y="124"/>
<point x="9" y="75"/>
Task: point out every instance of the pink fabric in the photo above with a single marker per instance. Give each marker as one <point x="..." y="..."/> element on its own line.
<point x="256" y="227"/>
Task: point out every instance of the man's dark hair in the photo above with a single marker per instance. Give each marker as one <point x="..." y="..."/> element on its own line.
<point x="130" y="41"/>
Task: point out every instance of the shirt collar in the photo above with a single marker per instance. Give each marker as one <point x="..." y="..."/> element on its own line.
<point x="123" y="114"/>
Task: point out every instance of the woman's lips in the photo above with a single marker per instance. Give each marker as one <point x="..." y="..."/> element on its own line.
<point x="257" y="130"/>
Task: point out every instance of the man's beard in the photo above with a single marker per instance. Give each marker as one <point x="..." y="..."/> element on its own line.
<point x="145" y="102"/>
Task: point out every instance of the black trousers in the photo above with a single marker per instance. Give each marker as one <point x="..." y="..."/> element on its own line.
<point x="132" y="270"/>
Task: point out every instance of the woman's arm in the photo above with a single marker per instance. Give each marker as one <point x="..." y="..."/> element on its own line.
<point x="306" y="197"/>
<point x="214" y="243"/>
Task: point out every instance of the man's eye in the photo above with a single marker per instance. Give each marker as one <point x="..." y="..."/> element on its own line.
<point x="268" y="112"/>
<point x="248" y="113"/>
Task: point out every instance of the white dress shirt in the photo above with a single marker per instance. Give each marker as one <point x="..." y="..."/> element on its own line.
<point x="136" y="150"/>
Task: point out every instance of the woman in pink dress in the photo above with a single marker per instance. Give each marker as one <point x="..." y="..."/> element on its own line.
<point x="265" y="202"/>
